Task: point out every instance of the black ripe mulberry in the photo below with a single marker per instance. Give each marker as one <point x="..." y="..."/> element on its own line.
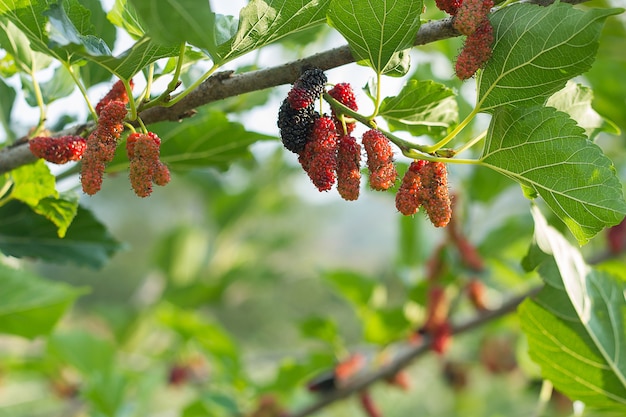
<point x="306" y="89"/>
<point x="295" y="126"/>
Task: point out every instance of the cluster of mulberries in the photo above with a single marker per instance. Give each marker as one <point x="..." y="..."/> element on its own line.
<point x="146" y="168"/>
<point x="471" y="19"/>
<point x="59" y="150"/>
<point x="329" y="154"/>
<point x="425" y="184"/>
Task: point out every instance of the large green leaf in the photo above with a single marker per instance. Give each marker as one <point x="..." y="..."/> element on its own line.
<point x="379" y="32"/>
<point x="84" y="351"/>
<point x="59" y="86"/>
<point x="189" y="21"/>
<point x="576" y="326"/>
<point x="208" y="139"/>
<point x="29" y="305"/>
<point x="543" y="150"/>
<point x="262" y="22"/>
<point x="7" y="99"/>
<point x="537" y="49"/>
<point x="422" y="107"/>
<point x="575" y="100"/>
<point x="124" y="15"/>
<point x="60" y="211"/>
<point x="24" y="233"/>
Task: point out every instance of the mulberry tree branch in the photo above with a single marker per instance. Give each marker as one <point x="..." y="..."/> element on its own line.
<point x="407" y="356"/>
<point x="224" y="84"/>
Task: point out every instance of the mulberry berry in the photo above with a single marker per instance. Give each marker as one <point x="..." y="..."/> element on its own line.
<point x="471" y="15"/>
<point x="319" y="157"/>
<point x="476" y="51"/>
<point x="295" y="126"/>
<point x="408" y="195"/>
<point x="59" y="150"/>
<point x="434" y="196"/>
<point x="117" y="93"/>
<point x="145" y="166"/>
<point x="379" y="160"/>
<point x="449" y="6"/>
<point x="306" y="89"/>
<point x="101" y="145"/>
<point x="348" y="168"/>
<point x="344" y="94"/>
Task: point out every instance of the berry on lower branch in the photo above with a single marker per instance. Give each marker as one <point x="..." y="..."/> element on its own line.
<point x="435" y="196"/>
<point x="59" y="150"/>
<point x="476" y="51"/>
<point x="408" y="195"/>
<point x="379" y="160"/>
<point x="145" y="167"/>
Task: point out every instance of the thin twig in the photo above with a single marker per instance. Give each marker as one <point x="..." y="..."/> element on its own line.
<point x="403" y="359"/>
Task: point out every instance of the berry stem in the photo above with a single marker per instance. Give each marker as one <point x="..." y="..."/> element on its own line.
<point x="471" y="143"/>
<point x="145" y="95"/>
<point x="3" y="190"/>
<point x="544" y="396"/>
<point x="378" y="97"/>
<point x="345" y="110"/>
<point x="82" y="89"/>
<point x="40" y="103"/>
<point x="131" y="100"/>
<point x="443" y="142"/>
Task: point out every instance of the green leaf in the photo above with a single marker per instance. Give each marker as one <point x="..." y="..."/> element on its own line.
<point x="144" y="52"/>
<point x="60" y="211"/>
<point x="543" y="150"/>
<point x="29" y="305"/>
<point x="59" y="86"/>
<point x="320" y="328"/>
<point x="124" y="15"/>
<point x="576" y="326"/>
<point x="7" y="99"/>
<point x="188" y="21"/>
<point x="262" y="22"/>
<point x="86" y="352"/>
<point x="575" y="100"/>
<point x="536" y="50"/>
<point x="15" y="42"/>
<point x="422" y="108"/>
<point x="355" y="287"/>
<point x="384" y="326"/>
<point x="217" y="146"/>
<point x="378" y="32"/>
<point x="24" y="233"/>
<point x="33" y="182"/>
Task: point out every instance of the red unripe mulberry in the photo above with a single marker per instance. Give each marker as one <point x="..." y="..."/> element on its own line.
<point x="476" y="51"/>
<point x="319" y="157"/>
<point x="117" y="93"/>
<point x="435" y="196"/>
<point x="344" y="94"/>
<point x="449" y="6"/>
<point x="101" y="145"/>
<point x="59" y="150"/>
<point x="408" y="195"/>
<point x="471" y="15"/>
<point x="348" y="168"/>
<point x="379" y="160"/>
<point x="145" y="167"/>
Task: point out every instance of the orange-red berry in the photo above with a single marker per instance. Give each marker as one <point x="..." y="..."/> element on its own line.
<point x="434" y="196"/>
<point x="145" y="167"/>
<point x="344" y="94"/>
<point x="408" y="195"/>
<point x="348" y="168"/>
<point x="476" y="51"/>
<point x="449" y="6"/>
<point x="471" y="15"/>
<point x="59" y="150"/>
<point x="379" y="160"/>
<point x="117" y="93"/>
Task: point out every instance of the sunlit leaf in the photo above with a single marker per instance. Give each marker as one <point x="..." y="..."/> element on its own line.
<point x="543" y="150"/>
<point x="33" y="182"/>
<point x="537" y="49"/>
<point x="576" y="326"/>
<point x="60" y="211"/>
<point x="378" y="32"/>
<point x="262" y="22"/>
